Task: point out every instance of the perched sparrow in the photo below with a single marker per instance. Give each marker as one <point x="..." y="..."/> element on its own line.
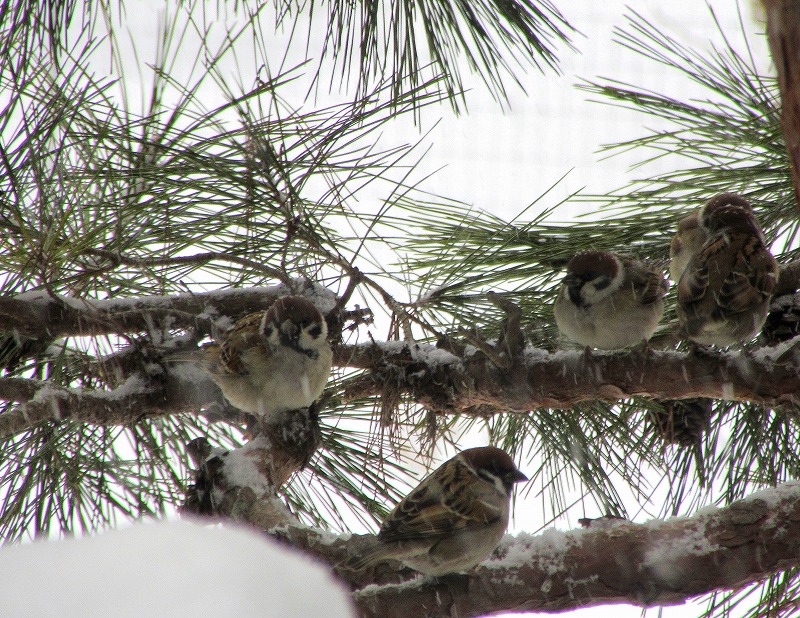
<point x="691" y="235"/>
<point x="724" y="292"/>
<point x="274" y="360"/>
<point x="609" y="302"/>
<point x="454" y="519"/>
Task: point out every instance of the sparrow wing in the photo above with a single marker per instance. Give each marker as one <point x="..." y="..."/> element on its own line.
<point x="706" y="271"/>
<point x="732" y="274"/>
<point x="648" y="283"/>
<point x="244" y="337"/>
<point x="451" y="499"/>
<point x="752" y="278"/>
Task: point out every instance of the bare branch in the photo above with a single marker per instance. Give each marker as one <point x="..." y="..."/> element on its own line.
<point x="472" y="385"/>
<point x="49" y="317"/>
<point x="654" y="564"/>
<point x="137" y="398"/>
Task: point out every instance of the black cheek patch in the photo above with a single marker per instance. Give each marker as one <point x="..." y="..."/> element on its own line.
<point x="601" y="283"/>
<point x="315" y="331"/>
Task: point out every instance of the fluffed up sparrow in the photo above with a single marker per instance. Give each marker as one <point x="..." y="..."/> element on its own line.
<point x="607" y="301"/>
<point x="454" y="519"/>
<point x="691" y="235"/>
<point x="273" y="361"/>
<point x="724" y="292"/>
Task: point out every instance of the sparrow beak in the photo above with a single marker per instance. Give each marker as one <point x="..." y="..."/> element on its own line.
<point x="515" y="477"/>
<point x="574" y="284"/>
<point x="290" y="335"/>
<point x="572" y="281"/>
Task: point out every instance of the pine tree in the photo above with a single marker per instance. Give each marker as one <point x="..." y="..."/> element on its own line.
<point x="132" y="233"/>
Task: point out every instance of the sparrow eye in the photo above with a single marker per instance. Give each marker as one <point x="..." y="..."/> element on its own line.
<point x="268" y="330"/>
<point x="315" y="331"/>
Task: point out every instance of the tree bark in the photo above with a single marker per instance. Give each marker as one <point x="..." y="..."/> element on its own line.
<point x="444" y="383"/>
<point x="783" y="30"/>
<point x="658" y="563"/>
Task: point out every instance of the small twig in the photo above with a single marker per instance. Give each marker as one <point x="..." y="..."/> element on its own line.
<point x="487" y="348"/>
<point x="512" y="336"/>
<point x="118" y="259"/>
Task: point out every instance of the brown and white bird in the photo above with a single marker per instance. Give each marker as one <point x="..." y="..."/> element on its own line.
<point x="454" y="519"/>
<point x="725" y="290"/>
<point x="692" y="235"/>
<point x="688" y="240"/>
<point x="609" y="302"/>
<point x="273" y="361"/>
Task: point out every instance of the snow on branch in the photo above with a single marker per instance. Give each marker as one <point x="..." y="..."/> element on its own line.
<point x="658" y="563"/>
<point x="137" y="398"/>
<point x="42" y="316"/>
<point x="471" y="384"/>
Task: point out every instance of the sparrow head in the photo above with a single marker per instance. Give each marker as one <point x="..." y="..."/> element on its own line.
<point x="295" y="322"/>
<point x="592" y="275"/>
<point x="688" y="228"/>
<point x="688" y="241"/>
<point x="729" y="212"/>
<point x="494" y="466"/>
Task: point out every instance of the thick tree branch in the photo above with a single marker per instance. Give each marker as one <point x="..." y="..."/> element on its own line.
<point x="445" y="383"/>
<point x="657" y="563"/>
<point x="139" y="397"/>
<point x="473" y="385"/>
<point x="783" y="29"/>
<point x="45" y="317"/>
<point x="654" y="564"/>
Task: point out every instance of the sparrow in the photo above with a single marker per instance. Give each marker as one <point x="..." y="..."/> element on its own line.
<point x="454" y="519"/>
<point x="273" y="361"/>
<point x="691" y="235"/>
<point x="607" y="301"/>
<point x="725" y="290"/>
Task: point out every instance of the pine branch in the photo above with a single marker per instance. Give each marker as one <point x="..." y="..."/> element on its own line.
<point x="138" y="398"/>
<point x="474" y="386"/>
<point x="658" y="563"/>
<point x="470" y="385"/>
<point x="54" y="316"/>
<point x="655" y="564"/>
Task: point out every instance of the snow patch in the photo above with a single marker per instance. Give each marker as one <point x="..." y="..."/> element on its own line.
<point x="431" y="356"/>
<point x="773" y="496"/>
<point x="665" y="561"/>
<point x="134" y="385"/>
<point x="548" y="548"/>
<point x="241" y="468"/>
<point x="173" y="568"/>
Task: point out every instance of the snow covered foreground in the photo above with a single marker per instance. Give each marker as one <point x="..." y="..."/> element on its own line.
<point x="171" y="568"/>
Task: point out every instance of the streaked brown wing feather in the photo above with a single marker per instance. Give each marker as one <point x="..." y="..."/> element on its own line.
<point x="648" y="284"/>
<point x="731" y="275"/>
<point x="423" y="515"/>
<point x="245" y="335"/>
<point x="752" y="278"/>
